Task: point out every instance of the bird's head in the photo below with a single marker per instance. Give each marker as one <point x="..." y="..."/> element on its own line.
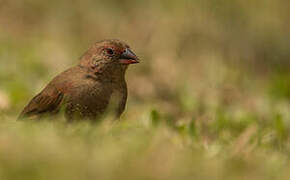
<point x="112" y="54"/>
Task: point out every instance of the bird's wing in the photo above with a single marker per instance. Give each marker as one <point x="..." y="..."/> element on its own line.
<point x="46" y="101"/>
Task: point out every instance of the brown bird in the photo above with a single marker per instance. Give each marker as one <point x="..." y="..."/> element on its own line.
<point x="87" y="90"/>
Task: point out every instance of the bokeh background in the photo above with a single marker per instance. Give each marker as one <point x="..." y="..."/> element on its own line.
<point x="210" y="98"/>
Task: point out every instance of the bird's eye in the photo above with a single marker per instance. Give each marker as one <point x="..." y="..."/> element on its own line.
<point x="110" y="51"/>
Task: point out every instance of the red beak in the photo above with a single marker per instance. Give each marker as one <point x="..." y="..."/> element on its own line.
<point x="128" y="57"/>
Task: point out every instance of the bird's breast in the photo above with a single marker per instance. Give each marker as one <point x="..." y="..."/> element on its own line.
<point x="90" y="99"/>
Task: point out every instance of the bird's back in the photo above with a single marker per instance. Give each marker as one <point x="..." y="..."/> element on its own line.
<point x="52" y="96"/>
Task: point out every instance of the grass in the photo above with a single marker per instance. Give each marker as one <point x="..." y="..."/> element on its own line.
<point x="209" y="100"/>
<point x="141" y="150"/>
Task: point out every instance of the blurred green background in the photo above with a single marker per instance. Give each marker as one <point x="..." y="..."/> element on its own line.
<point x="210" y="98"/>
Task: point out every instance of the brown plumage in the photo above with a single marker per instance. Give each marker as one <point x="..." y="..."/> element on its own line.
<point x="87" y="90"/>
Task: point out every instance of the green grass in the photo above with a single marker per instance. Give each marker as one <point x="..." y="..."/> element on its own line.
<point x="145" y="148"/>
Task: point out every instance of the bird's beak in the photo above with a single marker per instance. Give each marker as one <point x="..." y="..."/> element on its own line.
<point x="128" y="57"/>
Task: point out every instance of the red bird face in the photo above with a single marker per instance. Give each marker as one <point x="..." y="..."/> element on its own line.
<point x="109" y="54"/>
<point x="118" y="51"/>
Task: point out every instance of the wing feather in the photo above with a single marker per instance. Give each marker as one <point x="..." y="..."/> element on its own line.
<point x="48" y="100"/>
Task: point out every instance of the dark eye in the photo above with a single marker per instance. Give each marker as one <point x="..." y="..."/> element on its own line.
<point x="110" y="51"/>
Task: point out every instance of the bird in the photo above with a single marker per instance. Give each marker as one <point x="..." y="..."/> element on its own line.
<point x="88" y="89"/>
